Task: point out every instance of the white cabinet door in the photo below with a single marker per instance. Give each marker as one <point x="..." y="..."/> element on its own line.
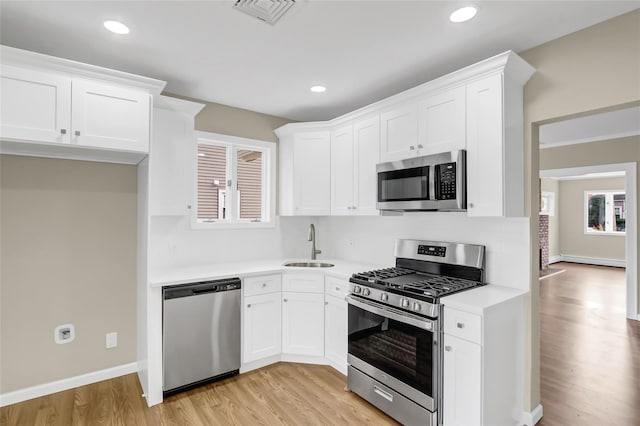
<point x="342" y="173"/>
<point x="335" y="331"/>
<point x="35" y="106"/>
<point x="303" y="323"/>
<point x="399" y="133"/>
<point x="171" y="165"/>
<point x="262" y="326"/>
<point x="485" y="168"/>
<point x="109" y="117"/>
<point x="441" y="122"/>
<point x="462" y="382"/>
<point x="311" y="174"/>
<point x="367" y="156"/>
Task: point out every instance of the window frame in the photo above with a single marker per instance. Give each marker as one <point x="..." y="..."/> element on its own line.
<point x="609" y="194"/>
<point x="234" y="144"/>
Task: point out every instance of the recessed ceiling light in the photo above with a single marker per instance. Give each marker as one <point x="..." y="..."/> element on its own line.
<point x="463" y="14"/>
<point x="116" y="27"/>
<point x="318" y="89"/>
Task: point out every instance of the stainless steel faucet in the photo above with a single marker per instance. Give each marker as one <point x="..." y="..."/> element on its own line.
<point x="312" y="238"/>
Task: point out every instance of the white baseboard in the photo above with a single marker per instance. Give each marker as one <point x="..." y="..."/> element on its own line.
<point x="555" y="259"/>
<point x="593" y="260"/>
<point x="65" y="384"/>
<point x="530" y="419"/>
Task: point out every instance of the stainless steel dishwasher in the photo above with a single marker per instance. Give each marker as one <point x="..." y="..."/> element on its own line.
<point x="200" y="333"/>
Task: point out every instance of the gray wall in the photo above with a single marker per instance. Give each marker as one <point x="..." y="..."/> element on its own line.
<point x="590" y="70"/>
<point x="68" y="256"/>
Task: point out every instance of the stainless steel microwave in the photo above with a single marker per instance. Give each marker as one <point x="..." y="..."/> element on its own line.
<point x="432" y="182"/>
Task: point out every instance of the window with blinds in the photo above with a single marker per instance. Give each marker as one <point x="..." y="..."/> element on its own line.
<point x="232" y="182"/>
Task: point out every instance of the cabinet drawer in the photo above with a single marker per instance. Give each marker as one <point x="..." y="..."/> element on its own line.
<point x="262" y="285"/>
<point x="336" y="287"/>
<point x="303" y="283"/>
<point x="463" y="325"/>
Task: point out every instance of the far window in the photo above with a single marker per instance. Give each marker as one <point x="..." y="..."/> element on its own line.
<point x="235" y="178"/>
<point x="605" y="212"/>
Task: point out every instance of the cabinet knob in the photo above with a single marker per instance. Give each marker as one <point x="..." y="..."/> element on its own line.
<point x="63" y="131"/>
<point x="264" y="285"/>
<point x="447" y="348"/>
<point x="470" y="205"/>
<point x="354" y="207"/>
<point x="420" y="146"/>
<point x="189" y="206"/>
<point x="412" y="147"/>
<point x="460" y="325"/>
<point x="284" y="300"/>
<point x="337" y="288"/>
<point x="249" y="305"/>
<point x="326" y="303"/>
<point x="77" y="132"/>
<point x="348" y="207"/>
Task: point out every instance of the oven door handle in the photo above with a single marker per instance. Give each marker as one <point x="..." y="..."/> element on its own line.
<point x="394" y="314"/>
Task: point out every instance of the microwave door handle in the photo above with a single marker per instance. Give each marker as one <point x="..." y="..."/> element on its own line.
<point x="432" y="182"/>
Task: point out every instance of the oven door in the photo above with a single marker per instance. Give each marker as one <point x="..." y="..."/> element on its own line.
<point x="395" y="348"/>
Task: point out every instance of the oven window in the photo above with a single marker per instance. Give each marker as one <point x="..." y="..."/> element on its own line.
<point x="400" y="350"/>
<point x="404" y="185"/>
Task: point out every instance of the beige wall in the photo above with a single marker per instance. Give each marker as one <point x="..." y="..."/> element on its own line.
<point x="552" y="185"/>
<point x="573" y="241"/>
<point x="592" y="69"/>
<point x="68" y="256"/>
<point x="227" y="120"/>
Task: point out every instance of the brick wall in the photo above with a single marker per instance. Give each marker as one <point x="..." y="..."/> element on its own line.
<point x="544" y="242"/>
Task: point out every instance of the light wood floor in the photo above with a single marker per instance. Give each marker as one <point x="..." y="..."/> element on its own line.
<point x="589" y="351"/>
<point x="281" y="394"/>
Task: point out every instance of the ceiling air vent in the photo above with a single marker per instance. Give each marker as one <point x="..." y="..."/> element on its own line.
<point x="266" y="10"/>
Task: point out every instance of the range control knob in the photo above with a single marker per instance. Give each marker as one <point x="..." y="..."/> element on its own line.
<point x="366" y="292"/>
<point x="384" y="297"/>
<point x="357" y="289"/>
<point x="416" y="306"/>
<point x="404" y="303"/>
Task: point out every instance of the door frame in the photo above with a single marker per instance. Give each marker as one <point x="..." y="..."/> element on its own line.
<point x="631" y="236"/>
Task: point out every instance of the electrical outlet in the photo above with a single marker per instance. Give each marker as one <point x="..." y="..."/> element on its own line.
<point x="112" y="340"/>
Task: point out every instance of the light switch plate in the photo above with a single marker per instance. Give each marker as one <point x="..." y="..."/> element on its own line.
<point x="112" y="340"/>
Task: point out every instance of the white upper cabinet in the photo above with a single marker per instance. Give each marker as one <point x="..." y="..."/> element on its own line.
<point x="171" y="166"/>
<point x="342" y="171"/>
<point x="367" y="156"/>
<point x="104" y="116"/>
<point x="52" y="107"/>
<point x="478" y="108"/>
<point x="441" y="122"/>
<point x="354" y="155"/>
<point x="36" y="106"/>
<point x="399" y="132"/>
<point x="305" y="174"/>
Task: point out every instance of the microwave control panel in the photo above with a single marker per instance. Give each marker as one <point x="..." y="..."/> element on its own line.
<point x="446" y="181"/>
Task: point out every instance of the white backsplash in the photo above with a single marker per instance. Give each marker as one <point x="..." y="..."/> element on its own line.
<point x="368" y="239"/>
<point x="174" y="244"/>
<point x="371" y="240"/>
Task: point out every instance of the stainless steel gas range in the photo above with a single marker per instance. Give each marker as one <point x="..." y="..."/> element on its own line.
<point x="395" y="334"/>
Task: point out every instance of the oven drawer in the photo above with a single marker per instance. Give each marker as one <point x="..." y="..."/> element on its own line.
<point x="336" y="287"/>
<point x="262" y="285"/>
<point x="386" y="399"/>
<point x="463" y="325"/>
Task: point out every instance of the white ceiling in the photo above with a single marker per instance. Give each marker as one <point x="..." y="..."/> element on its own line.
<point x="362" y="51"/>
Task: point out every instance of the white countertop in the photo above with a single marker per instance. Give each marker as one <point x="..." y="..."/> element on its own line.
<point x="183" y="275"/>
<point x="480" y="299"/>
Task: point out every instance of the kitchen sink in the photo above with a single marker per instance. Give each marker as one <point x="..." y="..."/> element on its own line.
<point x="309" y="265"/>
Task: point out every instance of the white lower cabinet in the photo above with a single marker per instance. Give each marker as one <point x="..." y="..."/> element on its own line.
<point x="482" y="366"/>
<point x="262" y="318"/>
<point x="335" y="323"/>
<point x="303" y="323"/>
<point x="462" y="389"/>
